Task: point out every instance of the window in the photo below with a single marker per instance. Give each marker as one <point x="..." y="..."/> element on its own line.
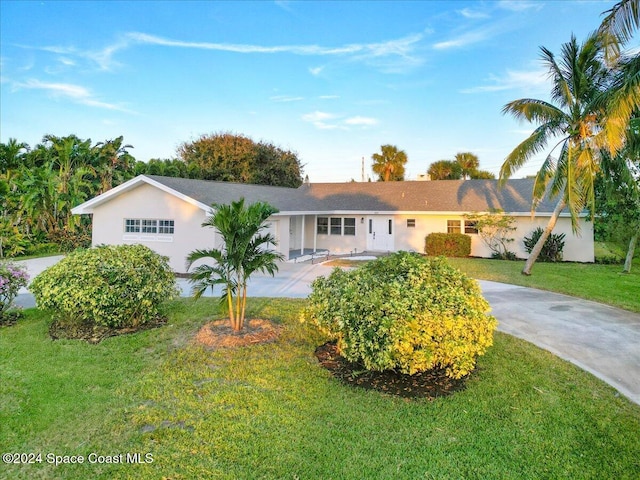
<point x="349" y="226"/>
<point x="149" y="226"/>
<point x="390" y="227"/>
<point x="370" y="226"/>
<point x="132" y="225"/>
<point x="323" y="225"/>
<point x="411" y="223"/>
<point x="470" y="227"/>
<point x="336" y="226"/>
<point x="453" y="226"/>
<point x="166" y="226"/>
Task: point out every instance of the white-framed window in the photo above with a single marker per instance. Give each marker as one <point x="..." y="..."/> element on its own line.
<point x="336" y="226"/>
<point x="453" y="226"/>
<point x="411" y="223"/>
<point x="350" y="226"/>
<point x="149" y="226"/>
<point x="132" y="225"/>
<point x="470" y="227"/>
<point x="166" y="226"/>
<point x="323" y="226"/>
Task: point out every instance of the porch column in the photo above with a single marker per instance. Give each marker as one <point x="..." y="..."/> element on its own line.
<point x="302" y="237"/>
<point x="315" y="233"/>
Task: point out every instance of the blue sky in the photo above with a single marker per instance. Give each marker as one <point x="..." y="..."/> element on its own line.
<point x="332" y="81"/>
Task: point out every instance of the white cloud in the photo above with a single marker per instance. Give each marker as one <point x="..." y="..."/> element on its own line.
<point x="473" y="14"/>
<point x="358" y="120"/>
<point x="328" y="97"/>
<point x="463" y="40"/>
<point x="318" y="116"/>
<point x="519" y="5"/>
<point x="536" y="80"/>
<point x="285" y="98"/>
<point x="315" y="71"/>
<point x="76" y="93"/>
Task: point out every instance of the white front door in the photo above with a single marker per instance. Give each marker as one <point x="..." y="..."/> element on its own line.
<point x="380" y="234"/>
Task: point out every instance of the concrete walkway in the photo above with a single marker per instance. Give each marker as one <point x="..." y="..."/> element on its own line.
<point x="602" y="340"/>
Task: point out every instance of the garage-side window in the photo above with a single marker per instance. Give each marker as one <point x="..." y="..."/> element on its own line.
<point x="453" y="226"/>
<point x="149" y="225"/>
<point x="323" y="225"/>
<point x="349" y="226"/>
<point x="470" y="227"/>
<point x="132" y="225"/>
<point x="411" y="222"/>
<point x="336" y="226"/>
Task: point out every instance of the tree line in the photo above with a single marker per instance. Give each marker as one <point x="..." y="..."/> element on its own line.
<point x="40" y="185"/>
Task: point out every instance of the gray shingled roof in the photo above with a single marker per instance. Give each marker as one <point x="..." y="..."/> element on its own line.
<point x="427" y="196"/>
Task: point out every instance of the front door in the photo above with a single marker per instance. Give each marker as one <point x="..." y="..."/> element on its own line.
<point x="380" y="234"/>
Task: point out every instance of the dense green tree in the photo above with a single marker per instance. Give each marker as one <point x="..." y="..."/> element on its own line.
<point x="573" y="119"/>
<point x="389" y="164"/>
<point x="230" y="157"/>
<point x="245" y="251"/>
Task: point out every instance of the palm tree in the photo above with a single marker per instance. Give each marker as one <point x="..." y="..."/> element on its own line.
<point x="468" y="163"/>
<point x="444" y="170"/>
<point x="389" y="165"/>
<point x="579" y="79"/>
<point x="623" y="98"/>
<point x="245" y="251"/>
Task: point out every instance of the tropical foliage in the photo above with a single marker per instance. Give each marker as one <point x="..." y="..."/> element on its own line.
<point x="389" y="164"/>
<point x="447" y="244"/>
<point x="110" y="286"/>
<point x="404" y="312"/>
<point x="551" y="249"/>
<point x="244" y="251"/>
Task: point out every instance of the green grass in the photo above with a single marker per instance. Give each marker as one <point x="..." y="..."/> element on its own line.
<point x="600" y="283"/>
<point x="270" y="411"/>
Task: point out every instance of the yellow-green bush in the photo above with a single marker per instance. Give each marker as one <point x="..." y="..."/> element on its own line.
<point x="111" y="286"/>
<point x="404" y="312"/>
<point x="447" y="244"/>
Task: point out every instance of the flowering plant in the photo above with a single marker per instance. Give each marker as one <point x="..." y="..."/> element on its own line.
<point x="12" y="279"/>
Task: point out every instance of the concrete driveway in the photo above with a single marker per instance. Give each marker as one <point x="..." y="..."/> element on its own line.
<point x="602" y="340"/>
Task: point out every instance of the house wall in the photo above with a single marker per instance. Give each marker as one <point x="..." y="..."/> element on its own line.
<point x="148" y="202"/>
<point x="578" y="248"/>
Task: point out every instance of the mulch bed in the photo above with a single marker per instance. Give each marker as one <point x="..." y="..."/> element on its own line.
<point x="94" y="333"/>
<point x="219" y="334"/>
<point x="430" y="384"/>
<point x="9" y="319"/>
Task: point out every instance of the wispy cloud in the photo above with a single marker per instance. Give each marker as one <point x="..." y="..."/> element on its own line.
<point x="329" y="97"/>
<point x="520" y="5"/>
<point x="315" y="71"/>
<point x="331" y="121"/>
<point x="362" y="121"/>
<point x="75" y="93"/>
<point x="473" y="14"/>
<point x="528" y="80"/>
<point x="285" y="98"/>
<point x="463" y="40"/>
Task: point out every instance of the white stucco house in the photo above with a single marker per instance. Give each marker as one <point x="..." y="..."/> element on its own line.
<point x="167" y="213"/>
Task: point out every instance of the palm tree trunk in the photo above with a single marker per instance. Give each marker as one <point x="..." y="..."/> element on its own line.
<point x="231" y="315"/>
<point x="535" y="252"/>
<point x="630" y="251"/>
<point x="244" y="304"/>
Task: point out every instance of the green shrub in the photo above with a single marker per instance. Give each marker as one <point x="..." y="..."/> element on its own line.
<point x="448" y="245"/>
<point x="110" y="286"/>
<point x="552" y="248"/>
<point x="404" y="312"/>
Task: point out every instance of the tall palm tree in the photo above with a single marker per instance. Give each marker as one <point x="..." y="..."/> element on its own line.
<point x="623" y="98"/>
<point x="573" y="120"/>
<point x="245" y="250"/>
<point x="389" y="165"/>
<point x="444" y="170"/>
<point x="468" y="162"/>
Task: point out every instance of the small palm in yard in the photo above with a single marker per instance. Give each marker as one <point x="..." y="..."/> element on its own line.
<point x="245" y="250"/>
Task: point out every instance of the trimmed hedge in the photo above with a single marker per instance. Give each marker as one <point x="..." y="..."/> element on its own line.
<point x="404" y="312"/>
<point x="110" y="286"/>
<point x="448" y="245"/>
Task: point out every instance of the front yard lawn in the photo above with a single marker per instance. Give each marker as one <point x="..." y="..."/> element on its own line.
<point x="600" y="283"/>
<point x="270" y="411"/>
